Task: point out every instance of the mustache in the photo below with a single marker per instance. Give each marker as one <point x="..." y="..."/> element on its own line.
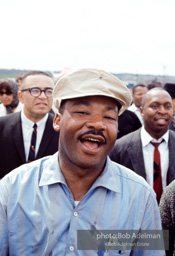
<point x="93" y="132"/>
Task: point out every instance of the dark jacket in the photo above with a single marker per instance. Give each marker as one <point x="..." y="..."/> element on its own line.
<point x="127" y="151"/>
<point x="127" y="122"/>
<point x="12" y="153"/>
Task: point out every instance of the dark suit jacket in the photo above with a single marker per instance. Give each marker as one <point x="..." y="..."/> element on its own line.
<point x="171" y="127"/>
<point x="127" y="122"/>
<point x="127" y="151"/>
<point x="12" y="152"/>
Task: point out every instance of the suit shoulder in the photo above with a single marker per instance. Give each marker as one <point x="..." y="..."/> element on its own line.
<point x="51" y="115"/>
<point x="126" y="139"/>
<point x="172" y="134"/>
<point x="10" y="118"/>
<point x="25" y="170"/>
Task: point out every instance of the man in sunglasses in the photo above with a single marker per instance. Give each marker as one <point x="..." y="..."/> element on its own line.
<point x="29" y="134"/>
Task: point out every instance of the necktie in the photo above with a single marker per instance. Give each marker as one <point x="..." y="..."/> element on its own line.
<point x="157" y="172"/>
<point x="33" y="144"/>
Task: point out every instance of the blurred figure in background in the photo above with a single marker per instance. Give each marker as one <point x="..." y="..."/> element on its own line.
<point x="131" y="119"/>
<point x="154" y="84"/>
<point x="127" y="122"/>
<point x="9" y="97"/>
<point x="19" y="80"/>
<point x="170" y="88"/>
<point x="138" y="91"/>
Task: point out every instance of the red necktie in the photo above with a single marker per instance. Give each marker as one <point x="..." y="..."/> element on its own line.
<point x="157" y="172"/>
<point x="33" y="144"/>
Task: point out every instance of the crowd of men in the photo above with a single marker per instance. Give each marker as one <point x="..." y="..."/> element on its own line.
<point x="102" y="160"/>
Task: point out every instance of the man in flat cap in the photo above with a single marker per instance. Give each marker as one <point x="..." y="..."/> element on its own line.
<point x="45" y="204"/>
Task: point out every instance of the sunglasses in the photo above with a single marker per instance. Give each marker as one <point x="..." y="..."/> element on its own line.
<point x="7" y="93"/>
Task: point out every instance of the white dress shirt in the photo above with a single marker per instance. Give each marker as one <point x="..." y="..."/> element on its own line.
<point x="148" y="155"/>
<point x="27" y="130"/>
<point x="136" y="110"/>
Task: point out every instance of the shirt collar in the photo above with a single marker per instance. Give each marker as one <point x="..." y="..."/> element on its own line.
<point x="109" y="178"/>
<point x="30" y="123"/>
<point x="52" y="174"/>
<point x="134" y="108"/>
<point x="146" y="138"/>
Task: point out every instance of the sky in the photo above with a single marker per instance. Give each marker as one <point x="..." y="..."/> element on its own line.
<point x="120" y="36"/>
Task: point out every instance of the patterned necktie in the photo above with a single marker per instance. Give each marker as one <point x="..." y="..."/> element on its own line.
<point x="32" y="144"/>
<point x="157" y="172"/>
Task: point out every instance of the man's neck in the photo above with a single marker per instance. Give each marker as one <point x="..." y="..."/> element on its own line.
<point x="79" y="180"/>
<point x="156" y="135"/>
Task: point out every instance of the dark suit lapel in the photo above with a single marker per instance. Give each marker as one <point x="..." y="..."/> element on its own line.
<point x="136" y="154"/>
<point x="16" y="130"/>
<point x="171" y="169"/>
<point x="47" y="136"/>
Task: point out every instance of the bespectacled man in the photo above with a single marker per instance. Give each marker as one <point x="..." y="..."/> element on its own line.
<point x="17" y="129"/>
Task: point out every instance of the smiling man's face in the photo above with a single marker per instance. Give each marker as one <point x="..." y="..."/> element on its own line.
<point x="88" y="130"/>
<point x="35" y="108"/>
<point x="157" y="112"/>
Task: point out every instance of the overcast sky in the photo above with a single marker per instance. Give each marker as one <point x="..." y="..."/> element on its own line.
<point x="135" y="36"/>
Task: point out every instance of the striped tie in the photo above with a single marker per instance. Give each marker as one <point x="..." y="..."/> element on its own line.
<point x="157" y="172"/>
<point x="32" y="144"/>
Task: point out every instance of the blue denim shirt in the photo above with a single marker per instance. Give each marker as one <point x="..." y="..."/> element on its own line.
<point x="38" y="215"/>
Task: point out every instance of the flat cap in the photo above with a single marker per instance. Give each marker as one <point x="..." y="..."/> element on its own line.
<point x="91" y="82"/>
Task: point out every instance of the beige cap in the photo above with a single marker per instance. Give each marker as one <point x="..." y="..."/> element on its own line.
<point x="91" y="82"/>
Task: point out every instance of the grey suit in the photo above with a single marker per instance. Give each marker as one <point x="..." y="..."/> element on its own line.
<point x="127" y="151"/>
<point x="12" y="152"/>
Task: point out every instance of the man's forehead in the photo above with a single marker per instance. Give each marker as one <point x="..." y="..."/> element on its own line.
<point x="159" y="97"/>
<point x="37" y="80"/>
<point x="94" y="99"/>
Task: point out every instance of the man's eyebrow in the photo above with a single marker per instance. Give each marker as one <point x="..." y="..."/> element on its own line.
<point x="112" y="108"/>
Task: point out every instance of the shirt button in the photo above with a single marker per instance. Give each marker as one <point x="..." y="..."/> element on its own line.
<point x="75" y="214"/>
<point x="71" y="248"/>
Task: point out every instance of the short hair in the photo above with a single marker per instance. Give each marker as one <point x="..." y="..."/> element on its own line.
<point x="61" y="108"/>
<point x="138" y="85"/>
<point x="19" y="77"/>
<point x="154" y="84"/>
<point x="35" y="72"/>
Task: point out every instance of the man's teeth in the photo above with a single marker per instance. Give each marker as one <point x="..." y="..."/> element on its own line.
<point x="95" y="140"/>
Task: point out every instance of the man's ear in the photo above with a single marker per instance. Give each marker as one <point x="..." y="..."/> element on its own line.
<point x="56" y="122"/>
<point x="20" y="96"/>
<point x="141" y="111"/>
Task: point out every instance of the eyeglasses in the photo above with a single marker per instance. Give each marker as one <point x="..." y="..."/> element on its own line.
<point x="36" y="91"/>
<point x="7" y="93"/>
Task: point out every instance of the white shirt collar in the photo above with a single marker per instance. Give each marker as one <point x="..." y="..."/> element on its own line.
<point x="30" y="123"/>
<point x="146" y="138"/>
<point x="135" y="108"/>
